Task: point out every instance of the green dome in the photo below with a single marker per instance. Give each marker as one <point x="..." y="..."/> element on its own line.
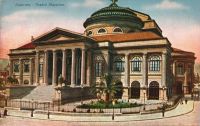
<point x="113" y="13"/>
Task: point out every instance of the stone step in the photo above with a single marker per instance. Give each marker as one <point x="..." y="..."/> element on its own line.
<point x="41" y="93"/>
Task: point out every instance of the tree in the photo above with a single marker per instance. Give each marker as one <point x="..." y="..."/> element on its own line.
<point x="106" y="87"/>
<point x="1" y="83"/>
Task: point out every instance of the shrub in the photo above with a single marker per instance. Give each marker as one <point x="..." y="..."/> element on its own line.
<point x="102" y="105"/>
<point x="12" y="80"/>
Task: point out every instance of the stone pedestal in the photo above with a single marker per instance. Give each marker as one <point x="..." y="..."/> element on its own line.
<point x="163" y="94"/>
<point x="125" y="93"/>
<point x="143" y="94"/>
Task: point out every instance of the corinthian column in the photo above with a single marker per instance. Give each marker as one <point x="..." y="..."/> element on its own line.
<point x="186" y="80"/>
<point x="31" y="71"/>
<point x="83" y="67"/>
<point x="89" y="68"/>
<point x="73" y="69"/>
<point x="20" y="72"/>
<point x="46" y="55"/>
<point x="126" y="84"/>
<point x="64" y="64"/>
<point x="144" y="70"/>
<point x="54" y="78"/>
<point x="164" y="69"/>
<point x="37" y="68"/>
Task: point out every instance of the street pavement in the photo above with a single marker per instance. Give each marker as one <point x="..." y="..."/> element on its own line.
<point x="181" y="116"/>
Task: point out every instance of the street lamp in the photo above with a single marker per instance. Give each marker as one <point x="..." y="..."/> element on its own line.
<point x="163" y="93"/>
<point x="59" y="100"/>
<point x="144" y="101"/>
<point x="6" y="100"/>
<point x="113" y="115"/>
<point x="82" y="94"/>
<point x="32" y="108"/>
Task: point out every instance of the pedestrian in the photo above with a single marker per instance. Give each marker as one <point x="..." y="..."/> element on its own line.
<point x="181" y="101"/>
<point x="186" y="101"/>
<point x="5" y="113"/>
<point x="48" y="114"/>
<point x="163" y="112"/>
<point x="31" y="112"/>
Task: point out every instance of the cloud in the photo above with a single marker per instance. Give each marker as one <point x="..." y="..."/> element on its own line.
<point x="18" y="27"/>
<point x="168" y="5"/>
<point x="183" y="34"/>
<point x="88" y="3"/>
<point x="25" y="15"/>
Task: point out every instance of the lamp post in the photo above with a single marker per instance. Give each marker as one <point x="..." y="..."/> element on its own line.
<point x="6" y="100"/>
<point x="113" y="115"/>
<point x="32" y="108"/>
<point x="82" y="94"/>
<point x="163" y="94"/>
<point x="59" y="100"/>
<point x="144" y="101"/>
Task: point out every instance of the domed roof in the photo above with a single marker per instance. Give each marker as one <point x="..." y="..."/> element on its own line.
<point x="113" y="12"/>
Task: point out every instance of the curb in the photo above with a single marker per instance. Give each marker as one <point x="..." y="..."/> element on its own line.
<point x="108" y="121"/>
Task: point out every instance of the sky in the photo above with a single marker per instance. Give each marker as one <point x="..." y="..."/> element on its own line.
<point x="21" y="19"/>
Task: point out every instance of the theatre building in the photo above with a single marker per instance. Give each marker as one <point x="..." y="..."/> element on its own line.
<point x="119" y="41"/>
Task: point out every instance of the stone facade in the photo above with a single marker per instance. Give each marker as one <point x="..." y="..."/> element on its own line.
<point x="136" y="54"/>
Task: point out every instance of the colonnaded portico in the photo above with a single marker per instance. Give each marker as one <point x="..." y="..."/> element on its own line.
<point x="69" y="63"/>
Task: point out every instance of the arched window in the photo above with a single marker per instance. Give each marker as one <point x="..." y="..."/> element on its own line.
<point x="118" y="30"/>
<point x="98" y="66"/>
<point x="135" y="89"/>
<point x="154" y="63"/>
<point x="136" y="64"/>
<point x="119" y="64"/>
<point x="101" y="31"/>
<point x="180" y="69"/>
<point x="154" y="90"/>
<point x="89" y="33"/>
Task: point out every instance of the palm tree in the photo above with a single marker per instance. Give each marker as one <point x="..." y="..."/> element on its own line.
<point x="106" y="87"/>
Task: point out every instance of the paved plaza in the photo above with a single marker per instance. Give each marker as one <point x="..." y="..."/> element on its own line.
<point x="184" y="115"/>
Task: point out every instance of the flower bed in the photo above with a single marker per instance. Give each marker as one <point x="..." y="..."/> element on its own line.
<point x="104" y="105"/>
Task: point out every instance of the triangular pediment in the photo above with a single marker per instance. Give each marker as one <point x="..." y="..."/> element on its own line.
<point x="61" y="37"/>
<point x="58" y="34"/>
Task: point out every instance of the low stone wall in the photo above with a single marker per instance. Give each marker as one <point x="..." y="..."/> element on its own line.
<point x="68" y="94"/>
<point x="18" y="91"/>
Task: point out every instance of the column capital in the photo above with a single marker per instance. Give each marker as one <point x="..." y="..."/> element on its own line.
<point x="63" y="49"/>
<point x="54" y="50"/>
<point x="37" y="51"/>
<point x="73" y="49"/>
<point x="127" y="54"/>
<point x="145" y="53"/>
<point x="83" y="49"/>
<point x="46" y="51"/>
<point x="164" y="53"/>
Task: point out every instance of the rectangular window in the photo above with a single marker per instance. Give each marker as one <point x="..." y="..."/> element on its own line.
<point x="136" y="66"/>
<point x="41" y="70"/>
<point x="98" y="69"/>
<point x="26" y="67"/>
<point x="119" y="66"/>
<point x="154" y="66"/>
<point x="16" y="67"/>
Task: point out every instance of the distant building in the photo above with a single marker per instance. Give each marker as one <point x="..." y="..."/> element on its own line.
<point x="119" y="41"/>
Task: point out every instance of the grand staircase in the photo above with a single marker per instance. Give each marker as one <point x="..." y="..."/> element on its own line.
<point x="42" y="93"/>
